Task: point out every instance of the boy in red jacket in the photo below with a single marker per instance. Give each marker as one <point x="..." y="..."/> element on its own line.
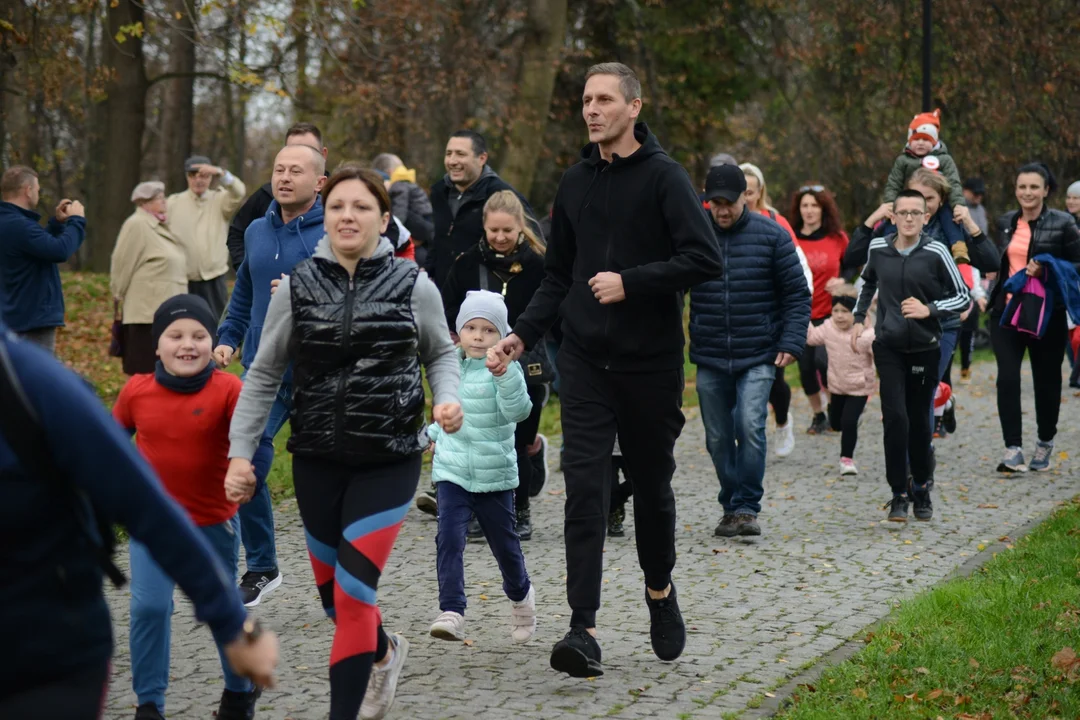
<point x="180" y="415"/>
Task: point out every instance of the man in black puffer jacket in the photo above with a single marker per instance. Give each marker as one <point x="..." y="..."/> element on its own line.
<point x="918" y="285"/>
<point x="742" y="327"/>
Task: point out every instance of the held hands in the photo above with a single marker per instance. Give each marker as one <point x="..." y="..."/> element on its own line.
<point x="1034" y="269"/>
<point x="608" y="288"/>
<point x="448" y="416"/>
<point x="913" y="309"/>
<point x="507" y="351"/>
<point x="784" y="359"/>
<point x="982" y="304"/>
<point x="834" y="286"/>
<point x="276" y="282"/>
<point x="240" y="480"/>
<point x="856" y="332"/>
<point x="496" y="363"/>
<point x="254" y="659"/>
<point x="223" y="354"/>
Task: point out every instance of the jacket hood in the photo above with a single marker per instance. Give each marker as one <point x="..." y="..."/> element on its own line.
<point x="322" y="250"/>
<point x="314" y="216"/>
<point x="485" y="177"/>
<point x="650" y="146"/>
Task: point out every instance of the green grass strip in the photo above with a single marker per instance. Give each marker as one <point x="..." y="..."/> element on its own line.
<point x="998" y="644"/>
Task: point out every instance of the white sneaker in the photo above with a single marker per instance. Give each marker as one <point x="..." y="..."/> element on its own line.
<point x="523" y="617"/>
<point x="449" y="626"/>
<point x="382" y="683"/>
<point x="847" y="467"/>
<point x="785" y="438"/>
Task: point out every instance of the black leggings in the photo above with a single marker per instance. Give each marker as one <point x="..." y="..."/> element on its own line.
<point x="780" y="397"/>
<point x="524" y="436"/>
<point x="1045" y="355"/>
<point x="351" y="516"/>
<point x="78" y="696"/>
<point x="967" y="337"/>
<point x="814" y="358"/>
<point x="844" y="414"/>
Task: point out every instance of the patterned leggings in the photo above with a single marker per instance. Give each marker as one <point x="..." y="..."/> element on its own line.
<point x="351" y="516"/>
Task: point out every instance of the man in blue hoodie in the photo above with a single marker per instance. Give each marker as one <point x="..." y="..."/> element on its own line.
<point x="31" y="298"/>
<point x="61" y="454"/>
<point x="273" y="245"/>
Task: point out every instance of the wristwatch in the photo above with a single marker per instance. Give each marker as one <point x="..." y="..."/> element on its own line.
<point x="252" y="630"/>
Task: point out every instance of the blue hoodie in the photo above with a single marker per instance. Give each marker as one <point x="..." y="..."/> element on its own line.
<point x="271" y="248"/>
<point x="56" y="620"/>
<point x="30" y="293"/>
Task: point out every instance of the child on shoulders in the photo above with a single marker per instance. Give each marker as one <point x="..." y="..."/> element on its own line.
<point x="925" y="149"/>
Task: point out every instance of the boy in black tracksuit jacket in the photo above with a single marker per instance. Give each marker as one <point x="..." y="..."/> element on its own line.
<point x="620" y="364"/>
<point x="911" y="276"/>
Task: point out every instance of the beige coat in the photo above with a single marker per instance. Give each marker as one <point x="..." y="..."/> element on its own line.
<point x="148" y="267"/>
<point x="201" y="226"/>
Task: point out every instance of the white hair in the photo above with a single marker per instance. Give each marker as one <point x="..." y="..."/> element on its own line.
<point x="147" y="191"/>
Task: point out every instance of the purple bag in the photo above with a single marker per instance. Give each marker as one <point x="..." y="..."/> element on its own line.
<point x="1031" y="309"/>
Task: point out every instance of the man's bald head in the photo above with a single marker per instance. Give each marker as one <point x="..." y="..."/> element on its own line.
<point x="304" y="154"/>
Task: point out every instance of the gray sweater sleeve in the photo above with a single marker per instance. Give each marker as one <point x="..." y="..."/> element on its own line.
<point x="437" y="351"/>
<point x="263" y="376"/>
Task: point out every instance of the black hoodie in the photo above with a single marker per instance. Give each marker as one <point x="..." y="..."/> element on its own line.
<point x="638" y="216"/>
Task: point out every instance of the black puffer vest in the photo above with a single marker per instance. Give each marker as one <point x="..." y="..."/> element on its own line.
<point x="357" y="393"/>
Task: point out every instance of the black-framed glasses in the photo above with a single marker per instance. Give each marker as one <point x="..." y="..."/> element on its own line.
<point x="910" y="214"/>
<point x="812" y="188"/>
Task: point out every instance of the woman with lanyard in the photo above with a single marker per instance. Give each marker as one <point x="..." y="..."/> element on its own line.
<point x="819" y="234"/>
<point x="355" y="323"/>
<point x="509" y="259"/>
<point x="757" y="199"/>
<point x="1027" y="233"/>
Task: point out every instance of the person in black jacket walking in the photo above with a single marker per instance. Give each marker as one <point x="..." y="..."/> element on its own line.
<point x="457" y="201"/>
<point x="917" y="284"/>
<point x="1032" y="230"/>
<point x="259" y="201"/>
<point x="628" y="238"/>
<point x="743" y="326"/>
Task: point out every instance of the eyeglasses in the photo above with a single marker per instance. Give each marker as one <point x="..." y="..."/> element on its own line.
<point x="910" y="214"/>
<point x="812" y="188"/>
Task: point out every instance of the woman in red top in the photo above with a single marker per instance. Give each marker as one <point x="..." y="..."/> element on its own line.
<point x="819" y="233"/>
<point x="757" y="199"/>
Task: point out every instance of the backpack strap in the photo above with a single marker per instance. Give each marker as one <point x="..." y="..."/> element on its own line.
<point x="24" y="434"/>
<point x="484" y="282"/>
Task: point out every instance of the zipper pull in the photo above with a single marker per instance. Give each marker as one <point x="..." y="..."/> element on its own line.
<point x="504" y="289"/>
<point x="451" y="230"/>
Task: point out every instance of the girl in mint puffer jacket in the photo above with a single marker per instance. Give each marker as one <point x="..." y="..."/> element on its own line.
<point x="475" y="472"/>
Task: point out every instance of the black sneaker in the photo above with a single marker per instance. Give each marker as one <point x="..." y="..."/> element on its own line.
<point x="726" y="528"/>
<point x="428" y="503"/>
<point x="473" y="531"/>
<point x="539" y="468"/>
<point x="948" y="419"/>
<point x="939" y="429"/>
<point x="615" y="522"/>
<point x="819" y="426"/>
<point x="148" y="711"/>
<point x="523" y="524"/>
<point x="238" y="705"/>
<point x="898" y="508"/>
<point x="254" y="586"/>
<point x="746" y="524"/>
<point x="924" y="509"/>
<point x="667" y="629"/>
<point x="577" y="655"/>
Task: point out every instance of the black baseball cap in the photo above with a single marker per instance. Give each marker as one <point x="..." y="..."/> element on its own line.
<point x="725" y="181"/>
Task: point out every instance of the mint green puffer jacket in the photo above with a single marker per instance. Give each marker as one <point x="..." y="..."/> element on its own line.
<point x="480" y="457"/>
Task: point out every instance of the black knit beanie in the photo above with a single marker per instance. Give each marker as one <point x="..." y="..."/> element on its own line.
<point x="179" y="307"/>
<point x="845" y="300"/>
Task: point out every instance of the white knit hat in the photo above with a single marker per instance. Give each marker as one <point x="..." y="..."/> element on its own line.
<point x="487" y="305"/>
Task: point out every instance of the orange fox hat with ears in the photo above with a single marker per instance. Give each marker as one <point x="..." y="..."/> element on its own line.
<point x="925" y="126"/>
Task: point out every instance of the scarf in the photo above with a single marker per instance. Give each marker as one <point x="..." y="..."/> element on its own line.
<point x="504" y="262"/>
<point x="186" y="385"/>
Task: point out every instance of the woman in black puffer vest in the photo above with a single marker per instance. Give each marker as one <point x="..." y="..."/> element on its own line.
<point x="355" y="323"/>
<point x="1032" y="230"/>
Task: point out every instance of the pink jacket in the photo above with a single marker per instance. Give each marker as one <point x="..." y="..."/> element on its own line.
<point x="850" y="372"/>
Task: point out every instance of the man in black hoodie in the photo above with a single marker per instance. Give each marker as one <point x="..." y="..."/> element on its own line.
<point x="628" y="237"/>
<point x="457" y="201"/>
<point x="917" y="285"/>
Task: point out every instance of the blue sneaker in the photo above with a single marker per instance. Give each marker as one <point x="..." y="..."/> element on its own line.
<point x="1013" y="461"/>
<point x="1041" y="461"/>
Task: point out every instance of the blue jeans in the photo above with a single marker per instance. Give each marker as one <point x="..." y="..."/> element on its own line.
<point x="495" y="512"/>
<point x="151" y="615"/>
<point x="257" y="516"/>
<point x="734" y="408"/>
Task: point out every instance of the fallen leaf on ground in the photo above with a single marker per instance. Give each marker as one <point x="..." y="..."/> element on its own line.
<point x="768" y="694"/>
<point x="554" y="492"/>
<point x="1064" y="659"/>
<point x="922" y="670"/>
<point x="987" y="506"/>
<point x="470" y="643"/>
<point x="935" y="694"/>
<point x="973" y="663"/>
<point x="860" y="693"/>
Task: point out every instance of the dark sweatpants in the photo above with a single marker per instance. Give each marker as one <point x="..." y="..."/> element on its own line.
<point x="1046" y="355"/>
<point x="645" y="409"/>
<point x="908" y="382"/>
<point x="215" y="292"/>
<point x="524" y="436"/>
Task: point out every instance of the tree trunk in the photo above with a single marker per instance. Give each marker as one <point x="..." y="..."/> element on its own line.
<point x="546" y="32"/>
<point x="121" y="122"/>
<point x="178" y="114"/>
